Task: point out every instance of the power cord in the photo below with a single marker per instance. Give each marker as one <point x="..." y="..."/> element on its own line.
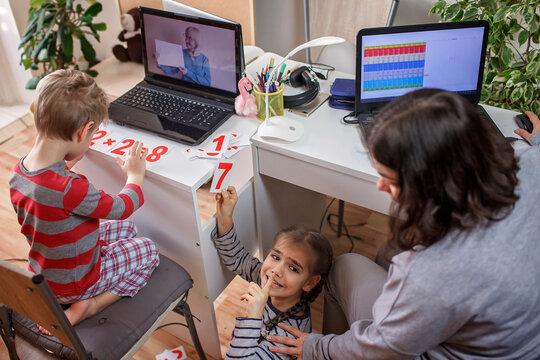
<point x="333" y="225"/>
<point x="351" y="238"/>
<point x="324" y="214"/>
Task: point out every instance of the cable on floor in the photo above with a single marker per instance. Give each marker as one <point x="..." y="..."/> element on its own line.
<point x="333" y="227"/>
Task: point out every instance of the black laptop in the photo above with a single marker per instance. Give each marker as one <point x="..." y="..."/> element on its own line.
<point x="391" y="61"/>
<point x="185" y="95"/>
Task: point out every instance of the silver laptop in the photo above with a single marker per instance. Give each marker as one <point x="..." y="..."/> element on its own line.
<point x="391" y="61"/>
<point x="185" y="95"/>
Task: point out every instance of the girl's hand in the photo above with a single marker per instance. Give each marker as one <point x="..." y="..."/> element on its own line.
<point x="225" y="203"/>
<point x="134" y="165"/>
<point x="257" y="298"/>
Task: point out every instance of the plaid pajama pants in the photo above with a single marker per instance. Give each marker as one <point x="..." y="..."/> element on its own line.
<point x="126" y="261"/>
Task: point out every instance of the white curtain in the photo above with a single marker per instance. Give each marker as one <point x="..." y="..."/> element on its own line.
<point x="13" y="77"/>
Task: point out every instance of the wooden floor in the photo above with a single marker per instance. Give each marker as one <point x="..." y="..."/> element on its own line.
<point x="366" y="229"/>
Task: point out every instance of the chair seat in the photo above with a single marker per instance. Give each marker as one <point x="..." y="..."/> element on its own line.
<point x="111" y="333"/>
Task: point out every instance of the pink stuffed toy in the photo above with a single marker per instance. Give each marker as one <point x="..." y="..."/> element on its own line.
<point x="244" y="104"/>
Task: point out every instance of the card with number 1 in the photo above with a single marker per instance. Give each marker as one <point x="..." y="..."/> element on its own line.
<point x="222" y="176"/>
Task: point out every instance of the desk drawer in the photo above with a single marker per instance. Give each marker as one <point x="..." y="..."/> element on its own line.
<point x="323" y="180"/>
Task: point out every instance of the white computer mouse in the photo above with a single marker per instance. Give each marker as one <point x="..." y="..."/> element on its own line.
<point x="281" y="128"/>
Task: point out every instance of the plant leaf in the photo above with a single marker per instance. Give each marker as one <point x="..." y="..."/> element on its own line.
<point x="489" y="77"/>
<point x="500" y="14"/>
<point x="43" y="55"/>
<point x="438" y="7"/>
<point x="528" y="94"/>
<point x="533" y="69"/>
<point x="91" y="72"/>
<point x="507" y="56"/>
<point x="470" y="14"/>
<point x="535" y="106"/>
<point x="522" y="37"/>
<point x="93" y="10"/>
<point x="516" y="94"/>
<point x="67" y="40"/>
<point x="87" y="49"/>
<point x="41" y="19"/>
<point x="42" y="44"/>
<point x="451" y="11"/>
<point x="27" y="62"/>
<point x="86" y="19"/>
<point x="100" y="26"/>
<point x="36" y="3"/>
<point x="32" y="83"/>
<point x="528" y="14"/>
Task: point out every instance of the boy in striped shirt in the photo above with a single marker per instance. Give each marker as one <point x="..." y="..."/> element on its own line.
<point x="86" y="264"/>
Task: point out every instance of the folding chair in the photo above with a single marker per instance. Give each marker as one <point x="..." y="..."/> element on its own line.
<point x="115" y="333"/>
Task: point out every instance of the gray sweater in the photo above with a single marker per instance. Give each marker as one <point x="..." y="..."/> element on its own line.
<point x="469" y="296"/>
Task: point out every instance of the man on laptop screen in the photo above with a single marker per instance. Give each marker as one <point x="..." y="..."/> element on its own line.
<point x="200" y="52"/>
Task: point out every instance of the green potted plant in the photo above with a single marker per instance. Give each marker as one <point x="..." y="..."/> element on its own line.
<point x="48" y="37"/>
<point x="512" y="71"/>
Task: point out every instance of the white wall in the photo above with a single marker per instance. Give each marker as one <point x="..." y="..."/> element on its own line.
<point x="280" y="23"/>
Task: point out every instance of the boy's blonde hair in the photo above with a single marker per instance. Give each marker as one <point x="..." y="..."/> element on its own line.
<point x="66" y="101"/>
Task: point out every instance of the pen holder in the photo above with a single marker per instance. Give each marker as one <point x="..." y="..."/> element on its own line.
<point x="275" y="103"/>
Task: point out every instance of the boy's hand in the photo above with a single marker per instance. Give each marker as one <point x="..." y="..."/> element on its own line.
<point x="257" y="298"/>
<point x="134" y="166"/>
<point x="225" y="202"/>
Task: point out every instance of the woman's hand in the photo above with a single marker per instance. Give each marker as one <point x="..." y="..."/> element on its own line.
<point x="257" y="298"/>
<point x="294" y="345"/>
<point x="225" y="203"/>
<point x="535" y="123"/>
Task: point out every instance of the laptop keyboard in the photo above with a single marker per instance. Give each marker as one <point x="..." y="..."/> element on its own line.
<point x="174" y="108"/>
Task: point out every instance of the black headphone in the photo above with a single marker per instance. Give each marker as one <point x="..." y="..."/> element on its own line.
<point x="299" y="77"/>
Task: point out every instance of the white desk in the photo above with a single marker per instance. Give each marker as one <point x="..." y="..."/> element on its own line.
<point x="171" y="214"/>
<point x="293" y="179"/>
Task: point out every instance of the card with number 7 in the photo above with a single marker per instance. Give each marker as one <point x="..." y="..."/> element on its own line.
<point x="222" y="176"/>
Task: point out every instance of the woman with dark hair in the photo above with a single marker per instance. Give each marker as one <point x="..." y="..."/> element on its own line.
<point x="464" y="281"/>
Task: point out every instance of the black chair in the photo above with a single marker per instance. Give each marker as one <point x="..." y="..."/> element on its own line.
<point x="115" y="333"/>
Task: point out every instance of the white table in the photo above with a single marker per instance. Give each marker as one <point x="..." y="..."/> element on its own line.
<point x="293" y="179"/>
<point x="171" y="214"/>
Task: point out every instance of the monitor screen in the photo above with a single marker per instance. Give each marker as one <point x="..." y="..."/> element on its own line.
<point x="395" y="63"/>
<point x="191" y="51"/>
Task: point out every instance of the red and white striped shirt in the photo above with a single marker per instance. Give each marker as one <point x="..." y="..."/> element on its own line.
<point x="59" y="213"/>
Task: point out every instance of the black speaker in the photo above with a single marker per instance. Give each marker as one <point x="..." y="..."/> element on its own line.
<point x="302" y="77"/>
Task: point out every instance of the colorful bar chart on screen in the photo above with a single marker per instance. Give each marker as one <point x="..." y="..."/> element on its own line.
<point x="396" y="66"/>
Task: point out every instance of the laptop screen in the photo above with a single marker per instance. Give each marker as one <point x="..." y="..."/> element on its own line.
<point x="197" y="53"/>
<point x="393" y="61"/>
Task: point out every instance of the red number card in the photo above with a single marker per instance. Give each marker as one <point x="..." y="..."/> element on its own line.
<point x="222" y="176"/>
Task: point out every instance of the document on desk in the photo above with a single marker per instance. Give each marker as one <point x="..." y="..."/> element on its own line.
<point x="169" y="54"/>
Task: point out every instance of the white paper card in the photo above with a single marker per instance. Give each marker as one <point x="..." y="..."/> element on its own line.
<point x="169" y="54"/>
<point x="177" y="353"/>
<point x="222" y="176"/>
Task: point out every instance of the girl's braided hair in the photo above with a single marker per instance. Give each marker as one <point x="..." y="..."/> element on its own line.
<point x="320" y="265"/>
